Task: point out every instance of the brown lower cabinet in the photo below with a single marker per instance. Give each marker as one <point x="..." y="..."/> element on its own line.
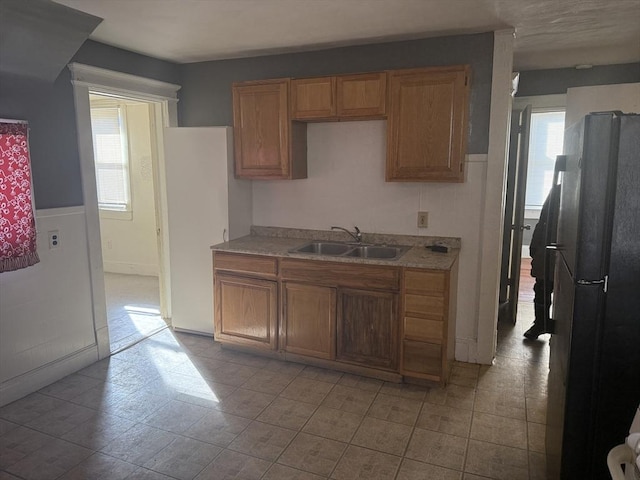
<point x="372" y="320"/>
<point x="367" y="332"/>
<point x="308" y="324"/>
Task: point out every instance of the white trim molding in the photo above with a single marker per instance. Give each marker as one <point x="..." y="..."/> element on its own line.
<point x="493" y="212"/>
<point x="108" y="81"/>
<point x="164" y="98"/>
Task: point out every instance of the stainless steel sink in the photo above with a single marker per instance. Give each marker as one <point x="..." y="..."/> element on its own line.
<point x="323" y="248"/>
<point x="374" y="251"/>
<point x="380" y="252"/>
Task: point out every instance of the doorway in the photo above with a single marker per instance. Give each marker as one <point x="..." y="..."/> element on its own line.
<point x="125" y="164"/>
<point x="536" y="140"/>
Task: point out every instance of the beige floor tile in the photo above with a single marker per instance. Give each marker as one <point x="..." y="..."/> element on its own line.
<point x="20" y="442"/>
<point x="321" y="374"/>
<point x="30" y="407"/>
<point x="363" y="464"/>
<point x="231" y="465"/>
<point x="282" y="472"/>
<point x="412" y="470"/>
<point x="307" y="390"/>
<point x="262" y="440"/>
<point x="496" y="380"/>
<point x="437" y="448"/>
<point x="536" y="436"/>
<point x="184" y="458"/>
<point x="395" y="409"/>
<point x="287" y="413"/>
<point x="353" y="400"/>
<point x="405" y="390"/>
<point x="335" y="424"/>
<point x="454" y="396"/>
<point x="139" y="444"/>
<point x="505" y="402"/>
<point x="363" y="383"/>
<point x="61" y="419"/>
<point x="464" y="374"/>
<point x="98" y="431"/>
<point x="100" y="467"/>
<point x="537" y="466"/>
<point x="266" y="381"/>
<point x="312" y="454"/>
<point x="445" y="419"/>
<point x="245" y="403"/>
<point x="496" y="461"/>
<point x="536" y="410"/>
<point x="176" y="416"/>
<point x="382" y="436"/>
<point x="219" y="428"/>
<point x="50" y="461"/>
<point x="500" y="430"/>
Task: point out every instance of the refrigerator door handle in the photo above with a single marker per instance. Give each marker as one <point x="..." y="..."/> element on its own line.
<point x="604" y="282"/>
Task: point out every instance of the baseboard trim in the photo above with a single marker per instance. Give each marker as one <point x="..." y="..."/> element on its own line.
<point x="34" y="380"/>
<point x="193" y="332"/>
<point x="131" y="268"/>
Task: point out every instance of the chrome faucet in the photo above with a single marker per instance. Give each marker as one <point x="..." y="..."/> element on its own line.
<point x="356" y="236"/>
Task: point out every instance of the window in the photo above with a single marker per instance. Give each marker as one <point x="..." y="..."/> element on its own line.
<point x="545" y="143"/>
<point x="111" y="158"/>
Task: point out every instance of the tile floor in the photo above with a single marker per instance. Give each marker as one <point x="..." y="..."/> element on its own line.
<point x="178" y="406"/>
<point x="133" y="308"/>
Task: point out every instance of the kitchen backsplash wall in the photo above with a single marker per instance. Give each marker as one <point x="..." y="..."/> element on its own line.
<point x="346" y="187"/>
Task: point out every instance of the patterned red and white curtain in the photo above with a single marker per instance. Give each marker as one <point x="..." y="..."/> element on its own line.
<point x="17" y="222"/>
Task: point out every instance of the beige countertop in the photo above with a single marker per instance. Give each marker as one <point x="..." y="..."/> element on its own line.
<point x="276" y="242"/>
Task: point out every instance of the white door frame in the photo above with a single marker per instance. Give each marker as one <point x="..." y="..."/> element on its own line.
<point x="163" y="98"/>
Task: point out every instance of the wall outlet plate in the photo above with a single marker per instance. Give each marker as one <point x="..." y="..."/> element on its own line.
<point x="54" y="239"/>
<point x="423" y="219"/>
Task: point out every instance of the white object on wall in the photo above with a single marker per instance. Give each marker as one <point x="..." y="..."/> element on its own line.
<point x="202" y="197"/>
<point x="129" y="242"/>
<point x="46" y="320"/>
<point x="584" y="100"/>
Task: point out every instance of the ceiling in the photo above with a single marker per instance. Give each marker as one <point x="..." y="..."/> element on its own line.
<point x="549" y="33"/>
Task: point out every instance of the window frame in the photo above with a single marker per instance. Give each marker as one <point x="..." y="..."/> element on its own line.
<point x="106" y="210"/>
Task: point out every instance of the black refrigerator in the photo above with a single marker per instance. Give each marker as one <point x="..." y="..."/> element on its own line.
<point x="594" y="364"/>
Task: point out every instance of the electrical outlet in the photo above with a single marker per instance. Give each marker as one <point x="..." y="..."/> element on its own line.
<point x="423" y="219"/>
<point x="54" y="239"/>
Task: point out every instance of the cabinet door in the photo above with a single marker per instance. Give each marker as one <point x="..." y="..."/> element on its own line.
<point x="309" y="322"/>
<point x="246" y="311"/>
<point x="427" y="124"/>
<point x="367" y="328"/>
<point x="261" y="129"/>
<point x="313" y="98"/>
<point x="362" y="95"/>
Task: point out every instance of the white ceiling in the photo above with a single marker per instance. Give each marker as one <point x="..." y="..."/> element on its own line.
<point x="549" y="33"/>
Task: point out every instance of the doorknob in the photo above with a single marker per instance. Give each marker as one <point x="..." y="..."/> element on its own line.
<point x="525" y="227"/>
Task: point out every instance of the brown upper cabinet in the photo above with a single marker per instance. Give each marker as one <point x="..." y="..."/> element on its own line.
<point x="362" y="95"/>
<point x="267" y="143"/>
<point x="427" y="124"/>
<point x="313" y="98"/>
<point x="344" y="97"/>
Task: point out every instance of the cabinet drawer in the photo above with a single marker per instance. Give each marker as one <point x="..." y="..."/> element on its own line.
<point x="267" y="266"/>
<point x="420" y="357"/>
<point x="421" y="282"/>
<point x="341" y="274"/>
<point x="424" y="305"/>
<point x="423" y="329"/>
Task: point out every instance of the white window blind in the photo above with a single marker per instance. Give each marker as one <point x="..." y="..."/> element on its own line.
<point x="545" y="143"/>
<point x="111" y="158"/>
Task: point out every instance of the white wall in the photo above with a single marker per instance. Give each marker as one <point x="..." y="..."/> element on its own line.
<point x="46" y="318"/>
<point x="346" y="187"/>
<point x="129" y="242"/>
<point x="583" y="100"/>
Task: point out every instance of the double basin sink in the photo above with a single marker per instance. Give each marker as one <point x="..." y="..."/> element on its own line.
<point x="337" y="249"/>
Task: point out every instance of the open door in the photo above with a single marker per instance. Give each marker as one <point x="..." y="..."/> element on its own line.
<point x="514" y="214"/>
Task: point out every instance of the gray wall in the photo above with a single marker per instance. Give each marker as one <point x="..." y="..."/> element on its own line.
<point x="50" y="110"/>
<point x="549" y="82"/>
<point x="205" y="99"/>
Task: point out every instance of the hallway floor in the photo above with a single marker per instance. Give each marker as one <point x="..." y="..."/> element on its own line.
<point x="133" y="308"/>
<point x="179" y="406"/>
